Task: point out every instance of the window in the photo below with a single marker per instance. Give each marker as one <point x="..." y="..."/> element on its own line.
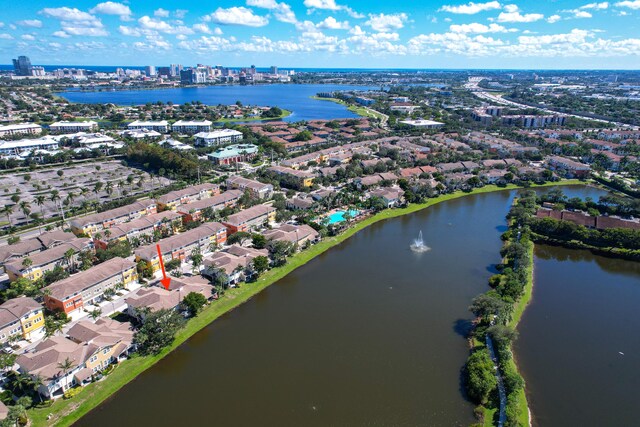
<point x="106" y="350"/>
<point x="93" y="359"/>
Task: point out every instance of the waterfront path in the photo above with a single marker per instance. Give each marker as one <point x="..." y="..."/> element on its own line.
<point x="503" y="395"/>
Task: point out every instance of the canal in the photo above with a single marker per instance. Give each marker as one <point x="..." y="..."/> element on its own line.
<point x="368" y="333"/>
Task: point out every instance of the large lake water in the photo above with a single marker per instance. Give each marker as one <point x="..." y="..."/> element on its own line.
<point x="583" y="315"/>
<point x="367" y="334"/>
<point x="295" y="98"/>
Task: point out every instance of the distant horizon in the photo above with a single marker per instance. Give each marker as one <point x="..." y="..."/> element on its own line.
<point x="359" y="34"/>
<point x="5" y="67"/>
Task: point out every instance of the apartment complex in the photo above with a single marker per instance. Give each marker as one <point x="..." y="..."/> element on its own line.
<point x="161" y="126"/>
<point x="191" y="126"/>
<point x="20" y="129"/>
<point x="218" y="137"/>
<point x="73" y="127"/>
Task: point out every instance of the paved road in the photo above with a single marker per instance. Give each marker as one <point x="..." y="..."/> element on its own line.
<point x="501" y="390"/>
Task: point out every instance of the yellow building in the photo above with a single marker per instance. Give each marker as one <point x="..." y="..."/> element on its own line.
<point x="20" y="317"/>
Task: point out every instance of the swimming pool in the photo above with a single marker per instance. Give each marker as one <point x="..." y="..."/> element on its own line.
<point x="338" y="216"/>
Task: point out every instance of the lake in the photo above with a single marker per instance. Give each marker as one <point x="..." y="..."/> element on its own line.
<point x="584" y="312"/>
<point x="369" y="333"/>
<point x="292" y="97"/>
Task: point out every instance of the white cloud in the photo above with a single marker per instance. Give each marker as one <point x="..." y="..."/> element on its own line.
<point x="217" y="31"/>
<point x="480" y="28"/>
<point x="152" y="24"/>
<point x="281" y="11"/>
<point x="553" y="19"/>
<point x="113" y="8"/>
<point x="596" y="6"/>
<point x="322" y="4"/>
<point x="386" y="23"/>
<point x="33" y="23"/>
<point x="161" y="13"/>
<point x="581" y="14"/>
<point x="471" y="8"/>
<point x="202" y="28"/>
<point x="237" y="16"/>
<point x="61" y="34"/>
<point x="55" y="45"/>
<point x="512" y="14"/>
<point x="331" y="23"/>
<point x="5" y="36"/>
<point x="79" y="30"/>
<point x="180" y="13"/>
<point x="68" y="14"/>
<point x="27" y="37"/>
<point x="129" y="31"/>
<point x="331" y="5"/>
<point x="631" y="4"/>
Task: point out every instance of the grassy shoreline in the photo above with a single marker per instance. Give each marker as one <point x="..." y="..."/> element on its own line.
<point x="361" y="111"/>
<point x="66" y="412"/>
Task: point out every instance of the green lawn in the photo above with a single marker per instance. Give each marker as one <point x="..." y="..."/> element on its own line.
<point x="66" y="412"/>
<point x="285" y="113"/>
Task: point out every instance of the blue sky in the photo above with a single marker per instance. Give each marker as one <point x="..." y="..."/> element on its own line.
<point x="326" y="33"/>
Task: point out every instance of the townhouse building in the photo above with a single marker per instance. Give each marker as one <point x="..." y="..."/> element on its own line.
<point x="257" y="189"/>
<point x="91" y="224"/>
<point x="47" y="260"/>
<point x="173" y="199"/>
<point x="303" y="178"/>
<point x="193" y="211"/>
<point x="22" y="318"/>
<point x="90" y="347"/>
<point x="156" y="298"/>
<point x="138" y="228"/>
<point x="235" y="262"/>
<point x="89" y="286"/>
<point x="37" y="244"/>
<point x="180" y="246"/>
<point x="250" y="219"/>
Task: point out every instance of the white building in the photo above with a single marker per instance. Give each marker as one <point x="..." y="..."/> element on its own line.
<point x="161" y="126"/>
<point x="217" y="137"/>
<point x="195" y="126"/>
<point x="72" y="127"/>
<point x="428" y="124"/>
<point x="15" y="148"/>
<point x="20" y="129"/>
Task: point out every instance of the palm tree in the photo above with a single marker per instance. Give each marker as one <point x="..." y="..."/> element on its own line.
<point x="96" y="189"/>
<point x="95" y="314"/>
<point x="25" y="207"/>
<point x="8" y="210"/>
<point x="109" y="188"/>
<point x="65" y="366"/>
<point x="26" y="263"/>
<point x="69" y="257"/>
<point x="40" y="199"/>
<point x="55" y="198"/>
<point x="36" y="382"/>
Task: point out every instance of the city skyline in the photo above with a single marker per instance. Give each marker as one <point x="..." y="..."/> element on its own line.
<point x="327" y="34"/>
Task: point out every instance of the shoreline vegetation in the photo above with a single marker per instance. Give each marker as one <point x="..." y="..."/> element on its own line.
<point x="361" y="111"/>
<point x="498" y="313"/>
<point x="65" y="412"/>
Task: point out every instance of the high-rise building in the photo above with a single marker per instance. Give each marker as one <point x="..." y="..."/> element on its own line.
<point x="150" y="70"/>
<point x="175" y="69"/>
<point x="22" y="66"/>
<point x="192" y="76"/>
<point x="164" y="71"/>
<point x="273" y="70"/>
<point x="253" y="71"/>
